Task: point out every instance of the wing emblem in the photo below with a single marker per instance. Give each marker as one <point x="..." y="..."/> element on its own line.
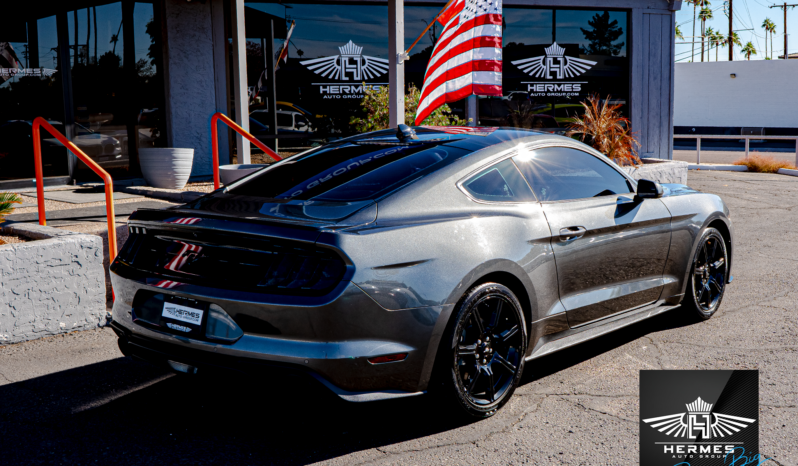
<point x="697" y="418"/>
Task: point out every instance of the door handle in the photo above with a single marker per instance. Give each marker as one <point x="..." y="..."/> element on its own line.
<point x="571" y="233"/>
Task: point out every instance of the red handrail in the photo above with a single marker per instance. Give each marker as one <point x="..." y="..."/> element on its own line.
<point x="215" y="143"/>
<point x="109" y="184"/>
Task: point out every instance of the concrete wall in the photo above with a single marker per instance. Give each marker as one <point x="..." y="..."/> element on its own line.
<point x="762" y="94"/>
<point x="190" y="78"/>
<point x="50" y="286"/>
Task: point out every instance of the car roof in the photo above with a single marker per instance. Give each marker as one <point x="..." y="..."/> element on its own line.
<point x="473" y="138"/>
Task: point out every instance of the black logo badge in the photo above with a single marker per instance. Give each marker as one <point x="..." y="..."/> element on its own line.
<point x="699" y="418"/>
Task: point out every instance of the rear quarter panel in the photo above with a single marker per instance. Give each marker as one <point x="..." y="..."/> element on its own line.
<point x="692" y="212"/>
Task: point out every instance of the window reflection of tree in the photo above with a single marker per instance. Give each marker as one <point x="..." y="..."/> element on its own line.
<point x="603" y="36"/>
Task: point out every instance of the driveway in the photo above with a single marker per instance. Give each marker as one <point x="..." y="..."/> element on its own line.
<point x="74" y="399"/>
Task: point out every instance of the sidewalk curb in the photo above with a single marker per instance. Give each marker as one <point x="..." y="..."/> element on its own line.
<point x="163" y="194"/>
<point x="718" y="167"/>
<point x="787" y="171"/>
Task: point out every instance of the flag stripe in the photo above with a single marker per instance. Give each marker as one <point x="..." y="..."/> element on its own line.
<point x="478" y="83"/>
<point x="472" y="60"/>
<point x="467" y="58"/>
<point x="485" y="25"/>
<point x="472" y="66"/>
<point x="490" y="44"/>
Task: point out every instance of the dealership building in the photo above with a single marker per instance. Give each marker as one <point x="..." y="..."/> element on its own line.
<point x="120" y="76"/>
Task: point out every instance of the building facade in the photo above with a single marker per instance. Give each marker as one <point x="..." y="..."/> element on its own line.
<point x="119" y="76"/>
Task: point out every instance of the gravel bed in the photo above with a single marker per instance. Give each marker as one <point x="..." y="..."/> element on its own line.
<point x="58" y="205"/>
<point x="201" y="187"/>
<point x="9" y="239"/>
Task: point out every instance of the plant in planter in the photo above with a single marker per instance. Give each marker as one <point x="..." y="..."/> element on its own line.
<point x="603" y="127"/>
<point x="7" y="201"/>
<point x="375" y="106"/>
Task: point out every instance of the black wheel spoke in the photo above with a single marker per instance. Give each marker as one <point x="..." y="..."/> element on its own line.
<point x="714" y="251"/>
<point x="498" y="358"/>
<point x="701" y="293"/>
<point x="704" y="252"/>
<point x="714" y="282"/>
<point x="467" y="350"/>
<point x="474" y="381"/>
<point x="719" y="263"/>
<point x="699" y="270"/>
<point x="478" y="321"/>
<point x="496" y="315"/>
<point x="507" y="334"/>
<point x="491" y="388"/>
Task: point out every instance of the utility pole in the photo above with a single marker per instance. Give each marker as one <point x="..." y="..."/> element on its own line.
<point x="784" y="7"/>
<point x="731" y="36"/>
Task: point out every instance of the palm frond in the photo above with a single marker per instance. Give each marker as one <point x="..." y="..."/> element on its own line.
<point x="7" y="201"/>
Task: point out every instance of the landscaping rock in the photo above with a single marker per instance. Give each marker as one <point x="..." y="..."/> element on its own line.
<point x="662" y="171"/>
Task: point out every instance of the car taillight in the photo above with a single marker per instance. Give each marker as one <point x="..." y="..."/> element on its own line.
<point x="304" y="272"/>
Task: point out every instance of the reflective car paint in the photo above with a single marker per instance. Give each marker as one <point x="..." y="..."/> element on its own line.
<point x="412" y="253"/>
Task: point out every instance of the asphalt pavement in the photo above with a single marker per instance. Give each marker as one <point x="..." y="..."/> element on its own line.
<point x="74" y="399"/>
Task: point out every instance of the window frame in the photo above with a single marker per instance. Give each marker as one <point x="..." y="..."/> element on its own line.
<point x="531" y="146"/>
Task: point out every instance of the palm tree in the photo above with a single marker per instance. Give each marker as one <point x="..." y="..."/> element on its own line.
<point x="749" y="50"/>
<point x="766" y="27"/>
<point x="772" y="30"/>
<point x="735" y="40"/>
<point x="695" y="4"/>
<point x="720" y="41"/>
<point x="704" y="15"/>
<point x="679" y="34"/>
<point x="710" y="35"/>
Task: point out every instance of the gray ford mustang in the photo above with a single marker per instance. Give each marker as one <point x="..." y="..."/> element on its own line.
<point x="399" y="262"/>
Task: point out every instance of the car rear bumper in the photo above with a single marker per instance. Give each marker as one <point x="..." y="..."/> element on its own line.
<point x="330" y="342"/>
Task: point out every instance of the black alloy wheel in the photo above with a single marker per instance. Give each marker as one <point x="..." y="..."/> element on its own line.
<point x="486" y="349"/>
<point x="709" y="273"/>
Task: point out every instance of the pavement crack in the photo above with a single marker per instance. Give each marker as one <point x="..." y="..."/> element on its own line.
<point x="661" y="355"/>
<point x="7" y="379"/>
<point x="737" y="348"/>
<point x="582" y="405"/>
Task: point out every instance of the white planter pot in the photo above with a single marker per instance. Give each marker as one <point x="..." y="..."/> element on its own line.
<point x="230" y="173"/>
<point x="166" y="168"/>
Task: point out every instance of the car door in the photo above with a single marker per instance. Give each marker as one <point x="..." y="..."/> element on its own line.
<point x="609" y="247"/>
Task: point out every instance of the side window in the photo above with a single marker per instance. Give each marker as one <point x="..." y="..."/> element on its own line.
<point x="499" y="183"/>
<point x="562" y="173"/>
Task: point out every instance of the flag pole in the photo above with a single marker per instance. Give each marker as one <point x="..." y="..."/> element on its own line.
<point x="429" y="26"/>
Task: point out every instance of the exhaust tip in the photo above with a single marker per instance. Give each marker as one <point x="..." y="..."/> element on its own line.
<point x="182" y="368"/>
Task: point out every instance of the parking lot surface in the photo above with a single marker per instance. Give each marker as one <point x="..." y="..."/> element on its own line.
<point x="74" y="399"/>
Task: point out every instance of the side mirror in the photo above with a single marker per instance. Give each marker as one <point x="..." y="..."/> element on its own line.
<point x="647" y="189"/>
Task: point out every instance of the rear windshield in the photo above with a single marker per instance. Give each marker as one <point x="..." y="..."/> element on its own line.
<point x="349" y="172"/>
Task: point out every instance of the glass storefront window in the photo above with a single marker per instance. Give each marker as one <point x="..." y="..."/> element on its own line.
<point x="148" y="86"/>
<point x="553" y="59"/>
<point x="99" y="90"/>
<point x="30" y="86"/>
<point x="112" y="104"/>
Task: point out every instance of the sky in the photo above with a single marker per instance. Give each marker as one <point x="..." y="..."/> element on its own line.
<point x="748" y="14"/>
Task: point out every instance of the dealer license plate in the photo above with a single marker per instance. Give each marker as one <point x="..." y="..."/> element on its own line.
<point x="182" y="318"/>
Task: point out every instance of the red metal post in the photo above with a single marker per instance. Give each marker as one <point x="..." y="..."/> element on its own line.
<point x="215" y="143"/>
<point x="109" y="184"/>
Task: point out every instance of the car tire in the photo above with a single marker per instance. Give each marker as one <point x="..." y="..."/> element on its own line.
<point x="706" y="282"/>
<point x="481" y="358"/>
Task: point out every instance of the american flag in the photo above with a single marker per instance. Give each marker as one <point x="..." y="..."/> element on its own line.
<point x="467" y="58"/>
